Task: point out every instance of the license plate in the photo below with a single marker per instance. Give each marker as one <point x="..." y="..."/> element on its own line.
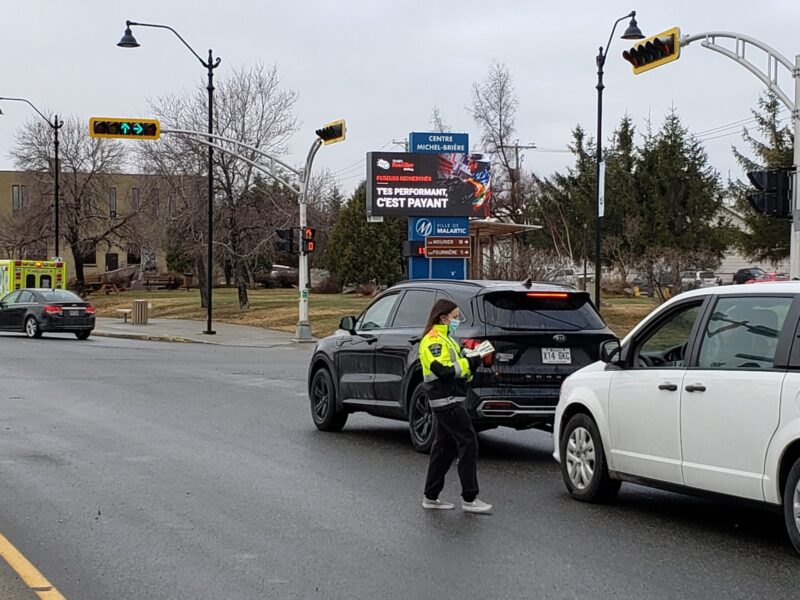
<point x="556" y="356"/>
<point x="74" y="313"/>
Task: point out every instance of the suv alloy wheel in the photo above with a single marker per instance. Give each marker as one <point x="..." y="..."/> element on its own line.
<point x="421" y="422"/>
<point x="322" y="395"/>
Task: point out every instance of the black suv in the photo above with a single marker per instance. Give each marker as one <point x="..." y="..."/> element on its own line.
<point x="743" y="275"/>
<point x="541" y="333"/>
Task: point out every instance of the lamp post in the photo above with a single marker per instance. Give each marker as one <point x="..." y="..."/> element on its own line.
<point x="631" y="33"/>
<point x="55" y="124"/>
<point x="128" y="41"/>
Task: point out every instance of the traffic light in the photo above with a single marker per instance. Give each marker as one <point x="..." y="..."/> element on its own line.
<point x="332" y="132"/>
<point x="309" y="245"/>
<point x="140" y="129"/>
<point x="413" y="248"/>
<point x="774" y="195"/>
<point x="654" y="51"/>
<point x="286" y="241"/>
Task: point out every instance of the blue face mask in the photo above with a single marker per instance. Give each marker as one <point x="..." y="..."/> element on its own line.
<point x="452" y="326"/>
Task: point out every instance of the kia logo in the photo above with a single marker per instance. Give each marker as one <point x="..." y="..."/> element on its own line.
<point x="559" y="338"/>
<point x="424" y="227"/>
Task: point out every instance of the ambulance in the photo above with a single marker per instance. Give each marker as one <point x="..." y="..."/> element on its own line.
<point x="16" y="274"/>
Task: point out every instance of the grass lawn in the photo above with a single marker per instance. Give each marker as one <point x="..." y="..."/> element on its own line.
<point x="277" y="309"/>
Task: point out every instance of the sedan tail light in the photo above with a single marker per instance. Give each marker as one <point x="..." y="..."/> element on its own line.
<point x="90" y="310"/>
<point x="52" y="309"/>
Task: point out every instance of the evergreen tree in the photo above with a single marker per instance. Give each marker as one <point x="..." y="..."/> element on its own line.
<point x="772" y="145"/>
<point x="361" y="252"/>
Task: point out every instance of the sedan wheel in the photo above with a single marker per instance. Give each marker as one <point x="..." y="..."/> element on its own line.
<point x="32" y="329"/>
<point x="421" y="422"/>
<point x="583" y="461"/>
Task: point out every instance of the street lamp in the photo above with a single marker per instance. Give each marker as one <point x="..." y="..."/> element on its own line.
<point x="128" y="41"/>
<point x="55" y="124"/>
<point x="631" y="33"/>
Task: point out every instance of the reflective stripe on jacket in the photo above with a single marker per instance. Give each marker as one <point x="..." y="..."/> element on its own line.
<point x="444" y="369"/>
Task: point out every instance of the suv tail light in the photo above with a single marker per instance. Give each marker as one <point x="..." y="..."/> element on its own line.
<point x="52" y="309"/>
<point x="90" y="310"/>
<point x="470" y="344"/>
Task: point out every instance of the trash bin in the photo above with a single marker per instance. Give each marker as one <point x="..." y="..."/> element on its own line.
<point x="140" y="312"/>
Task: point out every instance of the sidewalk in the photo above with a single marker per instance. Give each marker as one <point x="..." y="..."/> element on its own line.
<point x="181" y="330"/>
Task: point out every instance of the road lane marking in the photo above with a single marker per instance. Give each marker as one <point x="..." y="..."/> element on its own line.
<point x="37" y="582"/>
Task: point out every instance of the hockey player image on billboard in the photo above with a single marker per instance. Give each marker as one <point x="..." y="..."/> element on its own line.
<point x="469" y="176"/>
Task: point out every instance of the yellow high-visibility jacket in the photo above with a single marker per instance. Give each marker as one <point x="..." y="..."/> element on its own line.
<point x="446" y="372"/>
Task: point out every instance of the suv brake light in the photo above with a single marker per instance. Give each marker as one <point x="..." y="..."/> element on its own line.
<point x="52" y="309"/>
<point x="557" y="295"/>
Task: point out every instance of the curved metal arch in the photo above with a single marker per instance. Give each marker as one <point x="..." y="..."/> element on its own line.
<point x="768" y="77"/>
<point x="271" y="171"/>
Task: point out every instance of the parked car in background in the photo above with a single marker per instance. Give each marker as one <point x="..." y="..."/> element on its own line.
<point x="700" y="397"/>
<point x="744" y="275"/>
<point x="35" y="311"/>
<point x="691" y="280"/>
<point x="765" y="277"/>
<point x="540" y="332"/>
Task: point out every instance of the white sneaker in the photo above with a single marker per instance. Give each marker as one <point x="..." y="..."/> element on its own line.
<point x="437" y="504"/>
<point x="476" y="506"/>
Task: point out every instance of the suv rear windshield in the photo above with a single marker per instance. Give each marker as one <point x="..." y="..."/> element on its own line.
<point x="521" y="310"/>
<point x="60" y="296"/>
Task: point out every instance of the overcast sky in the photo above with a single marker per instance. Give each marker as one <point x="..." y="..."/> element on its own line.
<point x="383" y="64"/>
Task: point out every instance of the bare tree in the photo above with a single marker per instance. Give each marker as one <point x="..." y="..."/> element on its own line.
<point x="253" y="108"/>
<point x="494" y="108"/>
<point x="25" y="230"/>
<point x="438" y="123"/>
<point x="86" y="168"/>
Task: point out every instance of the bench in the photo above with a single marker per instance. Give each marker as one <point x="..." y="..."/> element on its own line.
<point x="161" y="282"/>
<point x="126" y="312"/>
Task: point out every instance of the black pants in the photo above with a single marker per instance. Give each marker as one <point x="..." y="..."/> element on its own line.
<point x="455" y="436"/>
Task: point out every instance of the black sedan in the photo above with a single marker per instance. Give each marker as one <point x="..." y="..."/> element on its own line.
<point x="541" y="333"/>
<point x="34" y="311"/>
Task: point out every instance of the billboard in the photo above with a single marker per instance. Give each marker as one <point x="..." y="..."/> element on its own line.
<point x="421" y="184"/>
<point x="439" y="143"/>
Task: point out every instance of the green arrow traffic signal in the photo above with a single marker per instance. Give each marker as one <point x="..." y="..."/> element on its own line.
<point x="107" y="127"/>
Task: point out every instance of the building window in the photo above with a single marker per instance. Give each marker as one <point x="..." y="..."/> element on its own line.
<point x="134" y="256"/>
<point x="16" y="201"/>
<point x="24" y="197"/>
<point x="90" y="258"/>
<point x="112" y="203"/>
<point x="135" y="200"/>
<point x="171" y="206"/>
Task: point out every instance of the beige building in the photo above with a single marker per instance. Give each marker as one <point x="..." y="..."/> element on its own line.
<point x="27" y="220"/>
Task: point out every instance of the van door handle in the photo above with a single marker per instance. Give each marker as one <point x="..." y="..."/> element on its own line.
<point x="668" y="387"/>
<point x="697" y="387"/>
<point x="414" y="340"/>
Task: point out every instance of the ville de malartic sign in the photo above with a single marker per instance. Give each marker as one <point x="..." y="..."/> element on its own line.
<point x="416" y="184"/>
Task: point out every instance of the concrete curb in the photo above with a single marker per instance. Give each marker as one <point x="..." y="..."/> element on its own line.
<point x="148" y="337"/>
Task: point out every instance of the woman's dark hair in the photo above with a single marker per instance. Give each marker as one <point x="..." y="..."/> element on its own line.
<point x="441" y="307"/>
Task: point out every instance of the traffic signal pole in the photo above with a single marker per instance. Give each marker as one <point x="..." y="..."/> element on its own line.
<point x="769" y="77"/>
<point x="303" y="328"/>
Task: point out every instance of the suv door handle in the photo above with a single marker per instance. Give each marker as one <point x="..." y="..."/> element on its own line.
<point x="668" y="387"/>
<point x="697" y="387"/>
<point x="414" y="340"/>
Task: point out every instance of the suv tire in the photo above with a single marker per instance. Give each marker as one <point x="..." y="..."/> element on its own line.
<point x="322" y="395"/>
<point x="791" y="505"/>
<point x="584" y="469"/>
<point x="421" y="422"/>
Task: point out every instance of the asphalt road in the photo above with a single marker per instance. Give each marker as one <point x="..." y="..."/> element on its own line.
<point x="147" y="470"/>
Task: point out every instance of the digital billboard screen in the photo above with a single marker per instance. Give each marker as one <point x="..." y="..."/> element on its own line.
<point x="421" y="184"/>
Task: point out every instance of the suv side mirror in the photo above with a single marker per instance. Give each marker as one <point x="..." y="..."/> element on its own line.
<point x="348" y="324"/>
<point x="611" y="352"/>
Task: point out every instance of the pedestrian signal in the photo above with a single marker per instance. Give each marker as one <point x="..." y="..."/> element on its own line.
<point x="309" y="244"/>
